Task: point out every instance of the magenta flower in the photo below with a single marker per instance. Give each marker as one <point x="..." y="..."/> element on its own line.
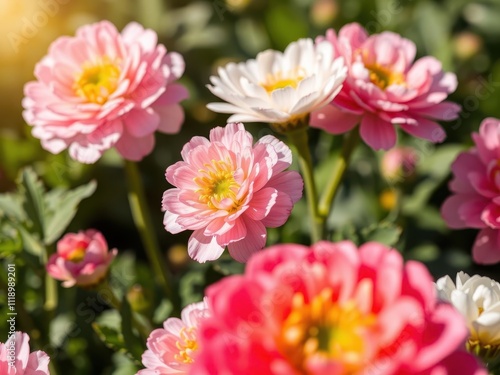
<point x="384" y="89"/>
<point x="102" y="89"/>
<point x="331" y="309"/>
<point x="228" y="191"/>
<point x="476" y="187"/>
<point x="171" y="349"/>
<point x="16" y="359"/>
<point x="81" y="259"/>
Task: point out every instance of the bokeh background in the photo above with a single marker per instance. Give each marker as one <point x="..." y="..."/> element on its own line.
<point x="463" y="34"/>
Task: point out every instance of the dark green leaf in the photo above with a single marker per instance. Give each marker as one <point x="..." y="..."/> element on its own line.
<point x="34" y="204"/>
<point x="63" y="205"/>
<point x="112" y="338"/>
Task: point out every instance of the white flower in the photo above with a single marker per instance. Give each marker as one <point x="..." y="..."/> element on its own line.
<point x="279" y="87"/>
<point x="477" y="298"/>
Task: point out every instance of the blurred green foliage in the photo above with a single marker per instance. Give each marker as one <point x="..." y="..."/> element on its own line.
<point x="463" y="34"/>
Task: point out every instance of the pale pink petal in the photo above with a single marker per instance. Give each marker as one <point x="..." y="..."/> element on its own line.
<point x="133" y="148"/>
<point x="254" y="241"/>
<point x="202" y="248"/>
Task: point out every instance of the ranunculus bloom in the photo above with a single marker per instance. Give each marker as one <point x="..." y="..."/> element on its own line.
<point x="81" y="259"/>
<point x="384" y="89"/>
<point x="16" y="351"/>
<point x="102" y="89"/>
<point x="331" y="310"/>
<point x="477" y="298"/>
<point x="279" y="88"/>
<point x="476" y="187"/>
<point x="171" y="349"/>
<point x="228" y="191"/>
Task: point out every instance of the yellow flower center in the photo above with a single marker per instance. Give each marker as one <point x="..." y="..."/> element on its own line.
<point x="280" y="81"/>
<point x="218" y="188"/>
<point x="97" y="82"/>
<point x="187" y="345"/>
<point x="325" y="329"/>
<point x="384" y="77"/>
<point x="77" y="255"/>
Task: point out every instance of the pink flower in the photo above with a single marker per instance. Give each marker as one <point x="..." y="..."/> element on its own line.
<point x="171" y="349"/>
<point x="102" y="89"/>
<point x="228" y="191"/>
<point x="16" y="359"/>
<point x="384" y="89"/>
<point x="81" y="259"/>
<point x="331" y="309"/>
<point x="399" y="163"/>
<point x="476" y="187"/>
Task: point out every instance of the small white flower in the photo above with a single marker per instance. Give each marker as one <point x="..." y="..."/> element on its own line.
<point x="278" y="87"/>
<point x="478" y="300"/>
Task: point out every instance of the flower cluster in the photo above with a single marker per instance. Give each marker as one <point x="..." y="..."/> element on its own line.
<point x="329" y="308"/>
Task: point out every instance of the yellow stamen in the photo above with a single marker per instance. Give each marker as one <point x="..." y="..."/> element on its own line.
<point x="77" y="255"/>
<point x="97" y="82"/>
<point x="384" y="77"/>
<point x="217" y="185"/>
<point x="325" y="328"/>
<point x="187" y="345"/>
<point x="280" y="80"/>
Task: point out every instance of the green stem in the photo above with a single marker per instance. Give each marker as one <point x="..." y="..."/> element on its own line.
<point x="332" y="186"/>
<point x="115" y="303"/>
<point x="144" y="225"/>
<point x="51" y="298"/>
<point x="299" y="139"/>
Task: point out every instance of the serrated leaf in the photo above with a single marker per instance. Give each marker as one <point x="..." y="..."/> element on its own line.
<point x="34" y="203"/>
<point x="133" y="343"/>
<point x="11" y="207"/>
<point x="63" y="205"/>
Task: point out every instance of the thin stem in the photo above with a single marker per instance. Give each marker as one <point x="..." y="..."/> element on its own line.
<point x="112" y="300"/>
<point x="299" y="139"/>
<point x="51" y="298"/>
<point x="144" y="225"/>
<point x="332" y="186"/>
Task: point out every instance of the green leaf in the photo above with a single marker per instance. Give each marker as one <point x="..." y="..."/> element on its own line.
<point x="133" y="343"/>
<point x="63" y="206"/>
<point x="11" y="207"/>
<point x="385" y="233"/>
<point x="31" y="244"/>
<point x="10" y="241"/>
<point x="34" y="204"/>
<point x="112" y="338"/>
